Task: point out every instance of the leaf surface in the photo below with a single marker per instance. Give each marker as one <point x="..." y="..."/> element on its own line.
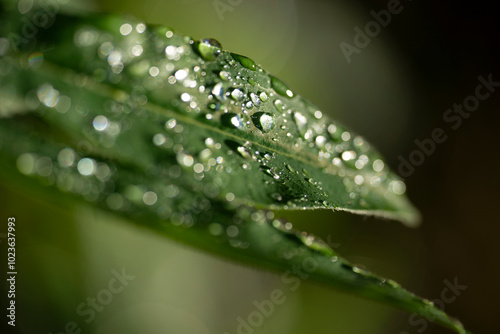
<point x="192" y="141"/>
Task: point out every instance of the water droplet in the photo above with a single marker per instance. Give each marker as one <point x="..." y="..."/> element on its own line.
<point x="320" y="141"/>
<point x="125" y="29"/>
<point x="398" y="187"/>
<point x="185" y="97"/>
<point x="140" y="28"/>
<point x="237" y="94"/>
<point x="348" y="155"/>
<point x="244" y="61"/>
<point x="300" y="121"/>
<point x="198" y="168"/>
<point x="346" y="136"/>
<point x="232" y="231"/>
<point x="48" y="95"/>
<point x="171" y="123"/>
<point x="230" y="197"/>
<point x="159" y="139"/>
<point x="218" y="91"/>
<point x="66" y="157"/>
<point x="224" y="75"/>
<point x="232" y="120"/>
<point x="43" y="166"/>
<point x="271" y="172"/>
<point x="85" y="166"/>
<point x="181" y="74"/>
<point x="63" y="104"/>
<point x="244" y="152"/>
<point x="149" y="198"/>
<point x="255" y="99"/>
<point x="280" y="87"/>
<point x="358" y="179"/>
<point x="26" y="163"/>
<point x="209" y="48"/>
<point x="263" y="97"/>
<point x="279" y="105"/>
<point x="378" y="165"/>
<point x="215" y="229"/>
<point x="358" y="141"/>
<point x="137" y="50"/>
<point x="100" y="123"/>
<point x="171" y="191"/>
<point x="263" y="121"/>
<point x="171" y="52"/>
<point x="185" y="159"/>
<point x="154" y="71"/>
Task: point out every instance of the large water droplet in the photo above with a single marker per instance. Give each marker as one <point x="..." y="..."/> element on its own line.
<point x="245" y="61"/>
<point x="263" y="121"/>
<point x="209" y="48"/>
<point x="280" y="87"/>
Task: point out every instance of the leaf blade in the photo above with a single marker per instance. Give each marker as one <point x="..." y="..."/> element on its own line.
<point x="207" y="205"/>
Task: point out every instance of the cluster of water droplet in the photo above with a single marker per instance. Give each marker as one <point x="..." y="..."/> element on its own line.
<point x="206" y="125"/>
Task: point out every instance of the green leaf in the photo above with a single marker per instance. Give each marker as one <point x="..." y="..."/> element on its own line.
<point x="192" y="141"/>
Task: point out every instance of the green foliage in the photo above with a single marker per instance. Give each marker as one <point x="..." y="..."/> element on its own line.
<point x="191" y="141"/>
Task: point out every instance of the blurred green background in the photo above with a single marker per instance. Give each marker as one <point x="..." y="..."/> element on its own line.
<point x="394" y="91"/>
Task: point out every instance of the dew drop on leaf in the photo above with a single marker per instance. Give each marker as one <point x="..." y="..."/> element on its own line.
<point x="232" y="120"/>
<point x="209" y="48"/>
<point x="263" y="121"/>
<point x="237" y="94"/>
<point x="280" y="87"/>
<point x="244" y="61"/>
